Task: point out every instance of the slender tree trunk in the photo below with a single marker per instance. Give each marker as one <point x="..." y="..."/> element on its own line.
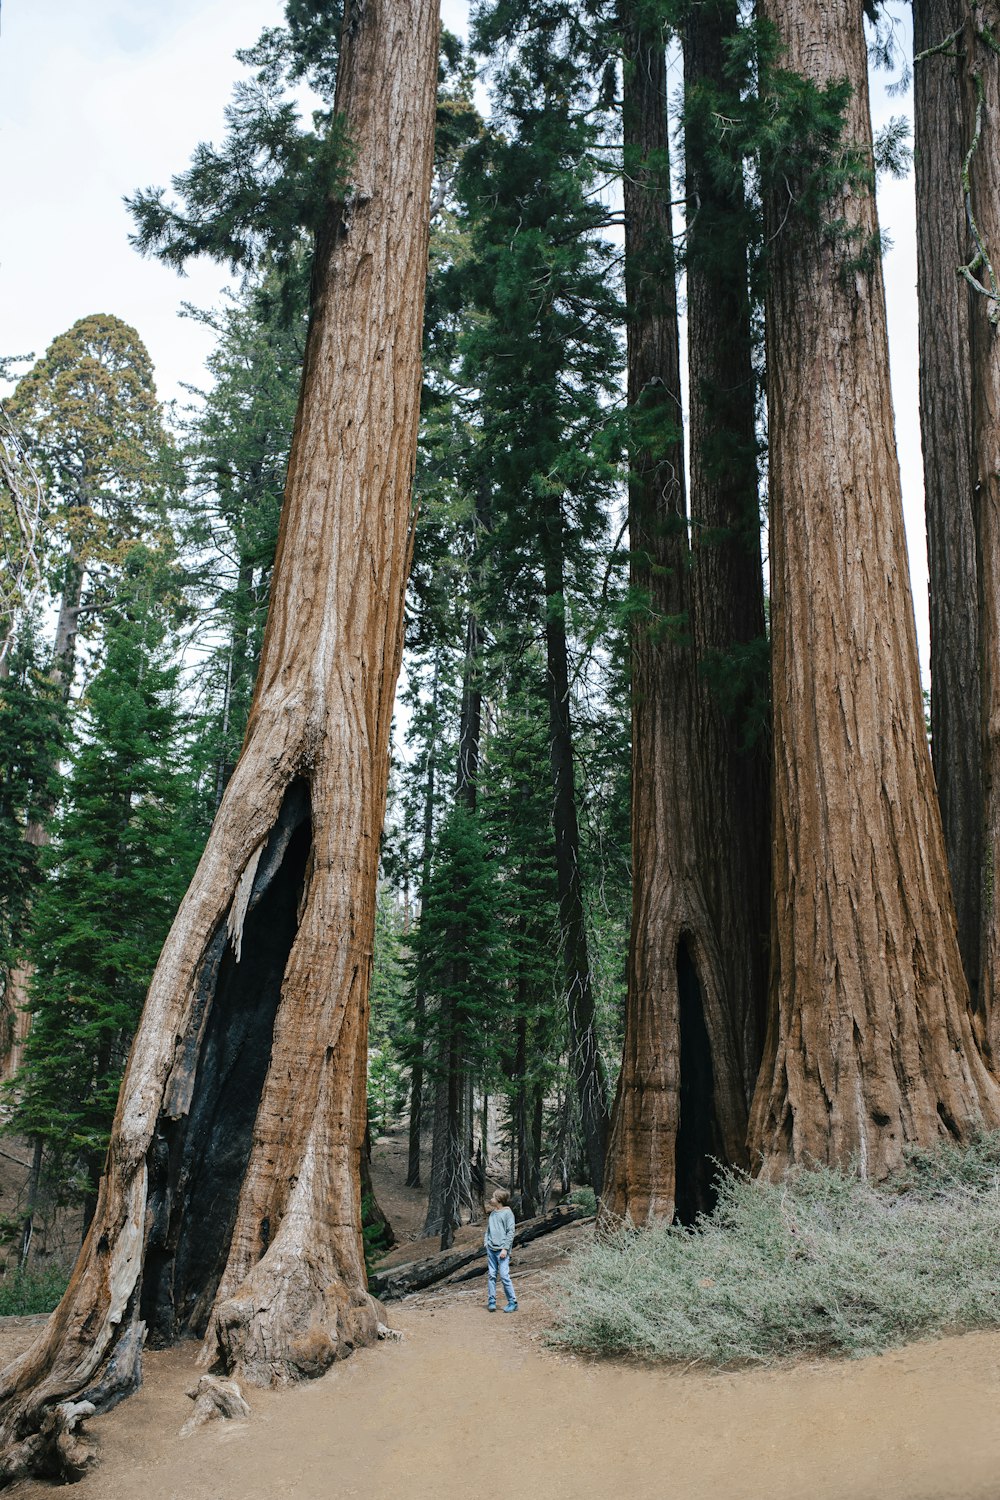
<point x="586" y="1065"/>
<point x="434" y="1218"/>
<point x="870" y="1044"/>
<point x="470" y="719"/>
<point x="682" y="1097"/>
<point x="452" y="1114"/>
<point x="373" y="1212"/>
<point x="419" y="998"/>
<point x="31" y="1206"/>
<point x="945" y="358"/>
<point x="981" y="184"/>
<point x="231" y="1201"/>
<point x="67" y="625"/>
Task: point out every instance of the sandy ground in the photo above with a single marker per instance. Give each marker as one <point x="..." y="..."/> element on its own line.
<point x="471" y="1404"/>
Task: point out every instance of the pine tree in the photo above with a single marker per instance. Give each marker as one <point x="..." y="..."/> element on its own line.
<point x="236" y="457"/>
<point x="457" y="965"/>
<point x="124" y="851"/>
<point x="89" y="414"/>
<point x="386" y="1087"/>
<point x="543" y="355"/>
<point x="32" y="731"/>
<point x="531" y="1029"/>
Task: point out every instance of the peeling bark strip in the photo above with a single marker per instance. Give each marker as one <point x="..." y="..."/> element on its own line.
<point x="264" y="1051"/>
<point x="870" y="1043"/>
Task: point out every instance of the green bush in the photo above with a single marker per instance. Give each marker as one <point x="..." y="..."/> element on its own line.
<point x="584" y="1198"/>
<point x="819" y="1263"/>
<point x="31" y="1291"/>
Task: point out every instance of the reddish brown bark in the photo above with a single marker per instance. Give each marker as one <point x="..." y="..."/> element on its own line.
<point x="230" y="1204"/>
<point x="870" y="1045"/>
<point x="946" y="432"/>
<point x="732" y="807"/>
<point x="682" y="1091"/>
<point x="980" y="56"/>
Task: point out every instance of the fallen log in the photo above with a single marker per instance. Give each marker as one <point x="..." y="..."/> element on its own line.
<point x="398" y="1281"/>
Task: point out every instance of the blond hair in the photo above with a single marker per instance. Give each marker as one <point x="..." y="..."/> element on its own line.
<point x="501" y="1196"/>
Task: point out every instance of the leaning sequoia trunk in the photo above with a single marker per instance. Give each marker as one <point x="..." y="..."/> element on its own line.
<point x="870" y="1045"/>
<point x="230" y="1205"/>
<point x="681" y="1104"/>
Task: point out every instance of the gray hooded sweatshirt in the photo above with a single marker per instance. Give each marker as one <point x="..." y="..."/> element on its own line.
<point x="500" y="1230"/>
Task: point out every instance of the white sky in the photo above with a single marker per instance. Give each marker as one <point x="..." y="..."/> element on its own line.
<point x="101" y="97"/>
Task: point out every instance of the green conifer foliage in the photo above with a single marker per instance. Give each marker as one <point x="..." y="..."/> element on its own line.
<point x="122" y="856"/>
<point x="386" y="1084"/>
<point x="31" y="736"/>
<point x="543" y="353"/>
<point x="236" y="454"/>
<point x="459" y="966"/>
<point x="531" y="1028"/>
<point x="89" y="416"/>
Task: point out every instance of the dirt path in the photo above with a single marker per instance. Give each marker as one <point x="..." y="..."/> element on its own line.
<point x="471" y="1404"/>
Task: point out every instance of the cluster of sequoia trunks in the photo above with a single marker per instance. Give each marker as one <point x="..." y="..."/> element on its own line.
<point x="821" y="1013"/>
<point x="871" y="1041"/>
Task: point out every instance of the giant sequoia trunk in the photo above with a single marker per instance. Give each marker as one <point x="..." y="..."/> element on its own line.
<point x="732" y="808"/>
<point x="870" y="1045"/>
<point x="946" y="433"/>
<point x="682" y="1093"/>
<point x="230" y="1205"/>
<point x="981" y="278"/>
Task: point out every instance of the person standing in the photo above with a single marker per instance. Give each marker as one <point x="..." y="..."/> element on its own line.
<point x="499" y="1242"/>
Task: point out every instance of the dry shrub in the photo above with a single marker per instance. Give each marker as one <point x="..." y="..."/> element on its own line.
<point x="820" y="1263"/>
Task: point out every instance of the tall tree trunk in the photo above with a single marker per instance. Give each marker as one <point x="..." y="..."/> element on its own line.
<point x="586" y="1065"/>
<point x="733" y="808"/>
<point x="451" y="1175"/>
<point x="870" y="1044"/>
<point x="67" y="625"/>
<point x="682" y="1097"/>
<point x="945" y="359"/>
<point x="374" y="1215"/>
<point x="231" y="1201"/>
<point x="981" y="279"/>
<point x="419" y="998"/>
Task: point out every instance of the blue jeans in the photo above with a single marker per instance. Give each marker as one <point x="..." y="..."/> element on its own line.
<point x="494" y="1264"/>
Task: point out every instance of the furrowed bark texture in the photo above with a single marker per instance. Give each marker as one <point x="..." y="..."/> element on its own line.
<point x="682" y="1097"/>
<point x="230" y="1205"/>
<point x="981" y="57"/>
<point x="870" y="1043"/>
<point x="945" y="337"/>
<point x="733" y="804"/>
